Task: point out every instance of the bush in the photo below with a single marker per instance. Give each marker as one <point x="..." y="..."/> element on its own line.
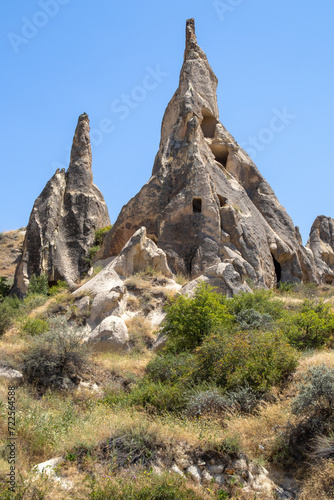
<point x="189" y="320"/>
<point x="250" y="319"/>
<point x="311" y="327"/>
<point x="316" y="393"/>
<point x="35" y="326"/>
<point x="9" y="310"/>
<point x="57" y="358"/>
<point x="38" y="284"/>
<point x="257" y="359"/>
<point x="158" y="397"/>
<point x="207" y="401"/>
<point x="171" y="368"/>
<point x="4" y="288"/>
<point x="100" y="235"/>
<point x="262" y="301"/>
<point x="60" y="287"/>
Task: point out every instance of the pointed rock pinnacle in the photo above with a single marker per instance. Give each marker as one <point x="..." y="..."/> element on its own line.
<point x="191" y="40"/>
<point x="206" y="205"/>
<point x="79" y="173"/>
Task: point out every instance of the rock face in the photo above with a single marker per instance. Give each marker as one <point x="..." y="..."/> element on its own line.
<point x="321" y="245"/>
<point x="206" y="202"/>
<point x="64" y="219"/>
<point x="107" y="330"/>
<point x="138" y="253"/>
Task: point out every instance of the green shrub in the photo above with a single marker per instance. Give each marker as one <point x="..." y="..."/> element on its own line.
<point x="158" y="397"/>
<point x="60" y="287"/>
<point x="93" y="251"/>
<point x="4" y="288"/>
<point x="35" y="326"/>
<point x="286" y="287"/>
<point x="207" y="401"/>
<point x="38" y="284"/>
<point x="250" y="319"/>
<point x="100" y="235"/>
<point x="57" y="357"/>
<point x="255" y="359"/>
<point x="98" y="240"/>
<point x="262" y="301"/>
<point x="171" y="368"/>
<point x="316" y="393"/>
<point x="32" y="300"/>
<point x="9" y="309"/>
<point x="189" y="320"/>
<point x="311" y="327"/>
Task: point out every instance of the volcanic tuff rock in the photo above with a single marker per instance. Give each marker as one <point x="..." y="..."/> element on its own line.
<point x="321" y="244"/>
<point x="64" y="219"/>
<point x="206" y="201"/>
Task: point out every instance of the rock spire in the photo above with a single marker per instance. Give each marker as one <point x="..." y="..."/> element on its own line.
<point x="64" y="219"/>
<point x="206" y="203"/>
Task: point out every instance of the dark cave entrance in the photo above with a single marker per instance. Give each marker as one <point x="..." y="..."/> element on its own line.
<point x="220" y="153"/>
<point x="208" y="124"/>
<point x="197" y="205"/>
<point x="278" y="270"/>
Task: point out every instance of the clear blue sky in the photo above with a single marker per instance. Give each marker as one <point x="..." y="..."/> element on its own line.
<point x="84" y="56"/>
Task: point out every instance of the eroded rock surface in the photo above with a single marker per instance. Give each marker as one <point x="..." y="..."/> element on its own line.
<point x="64" y="219"/>
<point x="137" y="254"/>
<point x="321" y="245"/>
<point x="206" y="202"/>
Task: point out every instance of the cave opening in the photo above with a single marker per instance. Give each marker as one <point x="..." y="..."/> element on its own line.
<point x="197" y="205"/>
<point x="222" y="200"/>
<point x="220" y="153"/>
<point x="208" y="124"/>
<point x="278" y="270"/>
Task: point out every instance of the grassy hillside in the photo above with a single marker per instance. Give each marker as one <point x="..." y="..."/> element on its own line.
<point x="246" y="382"/>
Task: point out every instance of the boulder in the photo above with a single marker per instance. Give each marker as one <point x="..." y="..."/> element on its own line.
<point x="83" y="306"/>
<point x="223" y="277"/>
<point x="63" y="220"/>
<point x="11" y="376"/>
<point x="106" y="304"/>
<point x="110" y="335"/>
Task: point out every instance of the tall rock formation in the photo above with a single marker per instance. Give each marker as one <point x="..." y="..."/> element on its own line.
<point x="206" y="202"/>
<point x="321" y="246"/>
<point x="64" y="219"/>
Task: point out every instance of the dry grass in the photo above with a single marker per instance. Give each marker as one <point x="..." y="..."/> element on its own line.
<point x="133" y="303"/>
<point x="123" y="365"/>
<point x="325" y="357"/>
<point x="257" y="433"/>
<point x="319" y="484"/>
<point x="140" y="333"/>
<point x="181" y="279"/>
<point x="13" y="345"/>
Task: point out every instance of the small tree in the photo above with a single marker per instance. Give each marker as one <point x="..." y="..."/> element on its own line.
<point x="4" y="288"/>
<point x="189" y="320"/>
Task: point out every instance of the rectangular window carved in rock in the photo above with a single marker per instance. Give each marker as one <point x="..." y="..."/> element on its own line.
<point x="197" y="205"/>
